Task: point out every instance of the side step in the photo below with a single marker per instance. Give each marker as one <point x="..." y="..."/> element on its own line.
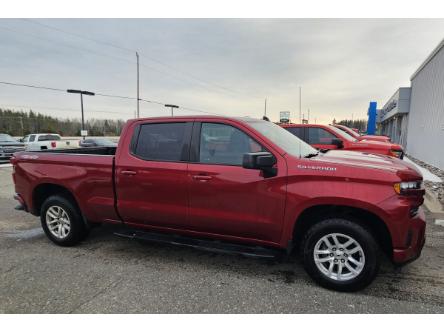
<point x="203" y="244"/>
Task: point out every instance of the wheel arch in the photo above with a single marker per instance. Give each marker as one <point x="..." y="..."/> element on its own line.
<point x="44" y="190"/>
<point x="371" y="221"/>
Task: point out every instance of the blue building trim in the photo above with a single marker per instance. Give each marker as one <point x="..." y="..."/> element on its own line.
<point x="371" y="123"/>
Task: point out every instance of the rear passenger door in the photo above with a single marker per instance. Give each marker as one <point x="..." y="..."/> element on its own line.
<point x="320" y="138"/>
<point x="151" y="181"/>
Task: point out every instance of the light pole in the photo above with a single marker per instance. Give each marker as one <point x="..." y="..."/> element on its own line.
<point x="172" y="106"/>
<point x="81" y="93"/>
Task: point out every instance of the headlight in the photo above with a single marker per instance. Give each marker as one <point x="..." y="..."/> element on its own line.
<point x="407" y="187"/>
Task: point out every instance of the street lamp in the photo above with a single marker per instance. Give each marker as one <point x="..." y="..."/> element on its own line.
<point x="172" y="106"/>
<point x="81" y="93"/>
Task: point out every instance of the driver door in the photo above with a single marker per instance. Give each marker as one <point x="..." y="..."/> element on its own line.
<point x="225" y="198"/>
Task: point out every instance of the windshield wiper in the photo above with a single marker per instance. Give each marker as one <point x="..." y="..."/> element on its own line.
<point x="311" y="155"/>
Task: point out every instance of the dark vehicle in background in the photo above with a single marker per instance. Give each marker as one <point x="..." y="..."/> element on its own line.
<point x="354" y="133"/>
<point x="97" y="142"/>
<point x="9" y="146"/>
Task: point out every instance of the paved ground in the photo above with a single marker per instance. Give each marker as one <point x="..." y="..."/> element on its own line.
<point x="110" y="274"/>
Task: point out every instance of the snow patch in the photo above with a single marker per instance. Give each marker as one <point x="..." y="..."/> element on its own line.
<point x="426" y="174"/>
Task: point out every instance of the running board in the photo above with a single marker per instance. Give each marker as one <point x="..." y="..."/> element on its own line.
<point x="202" y="244"/>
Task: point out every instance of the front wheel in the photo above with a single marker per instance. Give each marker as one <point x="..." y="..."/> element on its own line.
<point x="340" y="254"/>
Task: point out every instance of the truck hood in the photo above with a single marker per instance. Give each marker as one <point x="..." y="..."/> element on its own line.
<point x="379" y="138"/>
<point x="379" y="145"/>
<point x="371" y="161"/>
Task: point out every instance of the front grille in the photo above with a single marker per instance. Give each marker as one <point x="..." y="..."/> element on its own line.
<point x="10" y="150"/>
<point x="413" y="211"/>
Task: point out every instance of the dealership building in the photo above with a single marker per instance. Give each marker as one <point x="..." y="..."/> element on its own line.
<point x="414" y="116"/>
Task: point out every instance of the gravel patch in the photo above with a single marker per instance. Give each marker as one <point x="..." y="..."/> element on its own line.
<point x="436" y="188"/>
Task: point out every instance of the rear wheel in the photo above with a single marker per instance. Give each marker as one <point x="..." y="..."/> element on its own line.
<point x="340" y="254"/>
<point x="62" y="221"/>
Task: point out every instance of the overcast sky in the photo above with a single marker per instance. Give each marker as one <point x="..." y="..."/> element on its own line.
<point x="224" y="66"/>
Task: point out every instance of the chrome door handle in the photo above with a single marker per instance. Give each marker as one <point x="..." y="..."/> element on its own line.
<point x="128" y="172"/>
<point x="202" y="177"/>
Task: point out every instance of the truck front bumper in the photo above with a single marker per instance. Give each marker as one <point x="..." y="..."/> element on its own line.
<point x="415" y="241"/>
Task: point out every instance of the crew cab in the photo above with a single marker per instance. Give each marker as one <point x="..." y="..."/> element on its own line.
<point x="237" y="185"/>
<point x="360" y="137"/>
<point x="326" y="137"/>
<point x="45" y="141"/>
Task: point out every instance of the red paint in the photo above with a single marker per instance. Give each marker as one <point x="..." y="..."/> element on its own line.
<point x="227" y="202"/>
<point x="366" y="146"/>
<point x="354" y="133"/>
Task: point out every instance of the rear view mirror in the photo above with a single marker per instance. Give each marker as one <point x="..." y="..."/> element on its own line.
<point x="337" y="142"/>
<point x="260" y="161"/>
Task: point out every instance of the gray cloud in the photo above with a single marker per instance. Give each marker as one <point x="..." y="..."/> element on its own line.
<point x="340" y="64"/>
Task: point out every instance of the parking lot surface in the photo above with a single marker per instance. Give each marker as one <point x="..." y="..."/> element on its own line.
<point x="107" y="274"/>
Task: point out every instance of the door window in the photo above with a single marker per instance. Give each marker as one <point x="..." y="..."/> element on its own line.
<point x="298" y="131"/>
<point x="161" y="142"/>
<point x="32" y="138"/>
<point x="320" y="136"/>
<point x="225" y="144"/>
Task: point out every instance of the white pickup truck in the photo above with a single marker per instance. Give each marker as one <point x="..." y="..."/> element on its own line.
<point x="45" y="141"/>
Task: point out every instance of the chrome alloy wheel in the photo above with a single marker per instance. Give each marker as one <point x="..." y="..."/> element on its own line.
<point x="57" y="221"/>
<point x="339" y="257"/>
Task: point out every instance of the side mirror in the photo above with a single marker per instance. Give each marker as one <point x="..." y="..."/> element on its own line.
<point x="21" y="140"/>
<point x="260" y="161"/>
<point x="337" y="142"/>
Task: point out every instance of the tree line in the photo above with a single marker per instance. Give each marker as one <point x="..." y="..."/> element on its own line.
<point x="360" y="124"/>
<point x="21" y="123"/>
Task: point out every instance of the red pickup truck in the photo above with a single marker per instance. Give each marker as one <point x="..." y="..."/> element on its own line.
<point x="327" y="137"/>
<point x="236" y="185"/>
<point x="360" y="137"/>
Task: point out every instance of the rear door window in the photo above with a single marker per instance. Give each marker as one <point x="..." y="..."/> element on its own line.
<point x="320" y="136"/>
<point x="162" y="142"/>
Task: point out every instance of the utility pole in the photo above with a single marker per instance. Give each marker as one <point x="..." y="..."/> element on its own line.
<point x="138" y="98"/>
<point x="172" y="106"/>
<point x="308" y="117"/>
<point x="300" y="105"/>
<point x="265" y="111"/>
<point x="81" y="93"/>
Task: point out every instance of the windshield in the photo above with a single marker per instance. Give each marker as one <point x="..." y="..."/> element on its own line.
<point x="6" y="138"/>
<point x="349" y="131"/>
<point x="344" y="134"/>
<point x="283" y="138"/>
<point x="104" y="141"/>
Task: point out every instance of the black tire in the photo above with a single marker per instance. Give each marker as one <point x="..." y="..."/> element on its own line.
<point x="78" y="230"/>
<point x="370" y="249"/>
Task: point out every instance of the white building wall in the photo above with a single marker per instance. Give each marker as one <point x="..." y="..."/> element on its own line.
<point x="425" y="135"/>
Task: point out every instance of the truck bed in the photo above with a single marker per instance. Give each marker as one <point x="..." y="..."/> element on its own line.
<point x="87" y="173"/>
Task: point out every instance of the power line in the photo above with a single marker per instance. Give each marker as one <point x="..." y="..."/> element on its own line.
<point x="30" y="86"/>
<point x="56" y="109"/>
<point x="195" y="78"/>
<point x="103" y="95"/>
